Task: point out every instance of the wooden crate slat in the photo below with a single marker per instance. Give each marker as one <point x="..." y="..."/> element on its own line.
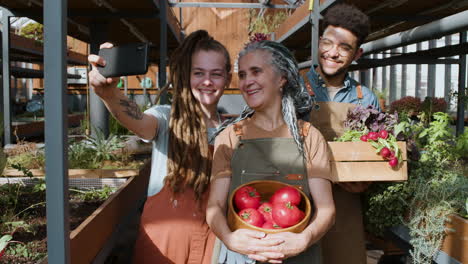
<point x="358" y="151"/>
<point x="367" y="171"/>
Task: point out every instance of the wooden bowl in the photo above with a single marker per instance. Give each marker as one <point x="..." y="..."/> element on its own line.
<point x="266" y="189"/>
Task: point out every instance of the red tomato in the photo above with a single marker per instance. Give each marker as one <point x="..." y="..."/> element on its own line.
<point x="247" y="197"/>
<point x="252" y="216"/>
<point x="286" y="214"/>
<point x="265" y="209"/>
<point x="271" y="225"/>
<point x="286" y="194"/>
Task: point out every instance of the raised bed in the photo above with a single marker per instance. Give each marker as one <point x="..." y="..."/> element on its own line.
<point x="358" y="161"/>
<point x="36" y="128"/>
<point x="91" y="236"/>
<point x="80" y="173"/>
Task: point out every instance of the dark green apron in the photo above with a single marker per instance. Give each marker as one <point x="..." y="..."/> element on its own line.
<point x="272" y="159"/>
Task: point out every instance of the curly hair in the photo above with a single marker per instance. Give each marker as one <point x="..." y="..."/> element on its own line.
<point x="348" y="17"/>
<point x="189" y="158"/>
<point x="295" y="99"/>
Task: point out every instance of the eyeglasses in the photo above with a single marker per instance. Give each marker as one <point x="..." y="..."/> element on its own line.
<point x="343" y="49"/>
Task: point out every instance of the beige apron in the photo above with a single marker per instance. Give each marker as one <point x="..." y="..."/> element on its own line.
<point x="273" y="159"/>
<point x="345" y="242"/>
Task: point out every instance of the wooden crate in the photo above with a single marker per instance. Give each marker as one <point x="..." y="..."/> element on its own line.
<point x="358" y="161"/>
<point x="456" y="241"/>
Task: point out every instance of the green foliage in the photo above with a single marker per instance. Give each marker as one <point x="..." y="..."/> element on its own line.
<point x="4" y="240"/>
<point x="265" y="23"/>
<point x="91" y="152"/>
<point x="95" y="194"/>
<point x="432" y="202"/>
<point x="104" y="147"/>
<point x="116" y="128"/>
<point x="28" y="160"/>
<point x="438" y="140"/>
<point x="433" y="105"/>
<point x="33" y="31"/>
<point x="436" y="187"/>
<point x="26" y="172"/>
<point x="380" y="94"/>
<point x="23" y="250"/>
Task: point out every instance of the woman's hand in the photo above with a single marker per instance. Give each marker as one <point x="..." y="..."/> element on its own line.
<point x="249" y="242"/>
<point x="293" y="244"/>
<point x="103" y="87"/>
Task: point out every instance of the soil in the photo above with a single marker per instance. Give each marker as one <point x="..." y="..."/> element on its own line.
<point x="32" y="234"/>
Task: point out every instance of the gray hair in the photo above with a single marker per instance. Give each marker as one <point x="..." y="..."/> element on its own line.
<point x="295" y="98"/>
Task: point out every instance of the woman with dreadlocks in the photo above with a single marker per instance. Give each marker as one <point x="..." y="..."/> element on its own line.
<point x="172" y="226"/>
<point x="268" y="141"/>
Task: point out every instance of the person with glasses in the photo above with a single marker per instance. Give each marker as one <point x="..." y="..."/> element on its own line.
<point x="335" y="92"/>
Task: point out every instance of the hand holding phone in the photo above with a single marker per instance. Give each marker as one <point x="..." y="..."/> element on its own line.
<point x="124" y="60"/>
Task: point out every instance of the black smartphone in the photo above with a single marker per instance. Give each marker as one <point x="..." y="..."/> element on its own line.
<point x="125" y="60"/>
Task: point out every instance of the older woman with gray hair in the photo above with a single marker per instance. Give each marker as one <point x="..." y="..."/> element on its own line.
<point x="268" y="141"/>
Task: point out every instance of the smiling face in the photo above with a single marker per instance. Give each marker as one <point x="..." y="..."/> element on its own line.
<point x="339" y="52"/>
<point x="259" y="83"/>
<point x="208" y="77"/>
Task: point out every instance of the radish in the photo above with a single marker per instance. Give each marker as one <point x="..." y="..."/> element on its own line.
<point x="373" y="136"/>
<point x="383" y="134"/>
<point x="393" y="162"/>
<point x="385" y="152"/>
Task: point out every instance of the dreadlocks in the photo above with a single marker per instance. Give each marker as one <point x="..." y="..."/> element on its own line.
<point x="189" y="158"/>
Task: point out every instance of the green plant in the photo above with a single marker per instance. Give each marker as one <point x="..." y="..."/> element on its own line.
<point x="116" y="128"/>
<point x="381" y="94"/>
<point x="26" y="172"/>
<point x="95" y="194"/>
<point x="433" y="200"/>
<point x="261" y="23"/>
<point x="433" y="105"/>
<point x="28" y="160"/>
<point x="80" y="155"/>
<point x="104" y="147"/>
<point x="436" y="187"/>
<point x="33" y="31"/>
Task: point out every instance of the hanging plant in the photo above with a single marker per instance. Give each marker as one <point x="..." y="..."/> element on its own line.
<point x="33" y="31"/>
<point x="261" y="23"/>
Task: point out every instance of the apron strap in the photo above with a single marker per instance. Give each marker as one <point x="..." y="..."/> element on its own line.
<point x="305" y="127"/>
<point x="308" y="86"/>
<point x="359" y="93"/>
<point x="312" y="93"/>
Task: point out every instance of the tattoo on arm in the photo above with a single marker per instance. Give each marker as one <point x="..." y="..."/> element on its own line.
<point x="131" y="109"/>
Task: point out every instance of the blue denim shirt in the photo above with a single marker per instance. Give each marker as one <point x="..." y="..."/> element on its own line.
<point x="346" y="95"/>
